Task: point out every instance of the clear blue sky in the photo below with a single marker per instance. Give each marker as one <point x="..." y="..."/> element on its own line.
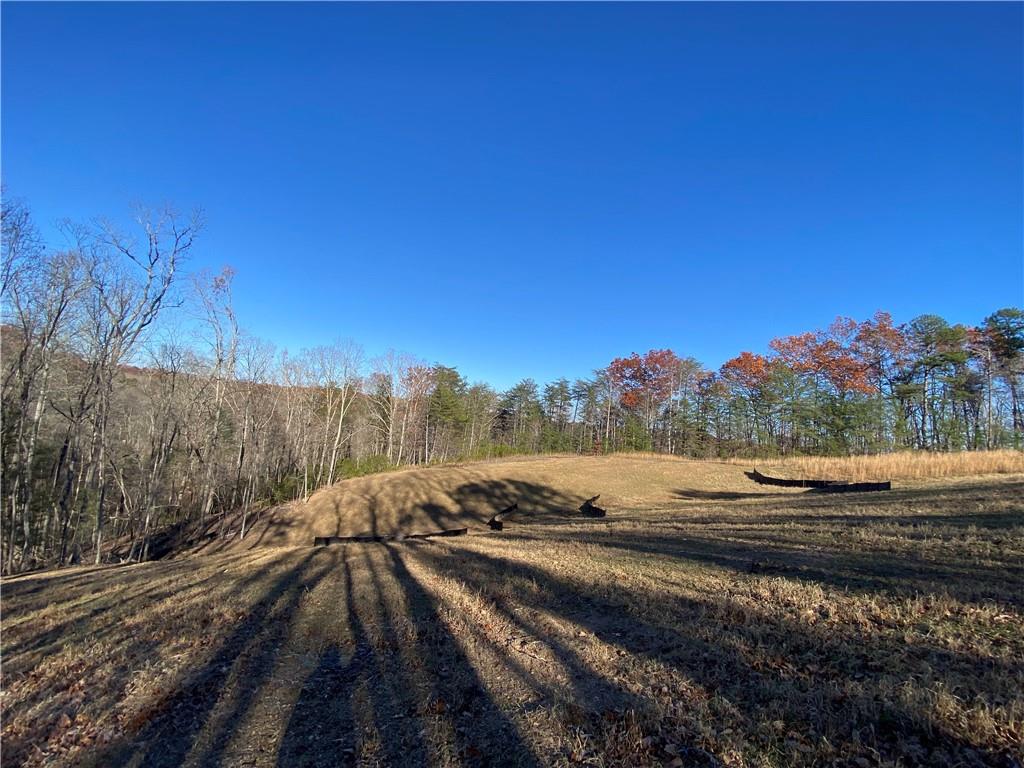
<point x="532" y="190"/>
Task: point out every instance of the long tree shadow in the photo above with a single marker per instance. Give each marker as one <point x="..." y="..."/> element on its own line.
<point x="102" y="650"/>
<point x="321" y="720"/>
<point x="246" y="654"/>
<point x="533" y="499"/>
<point x="442" y="658"/>
<point x="321" y="729"/>
<point x="380" y="712"/>
<point x="405" y="693"/>
<point x="754" y="681"/>
<point x="703" y="495"/>
<point x="396" y="686"/>
<point x="105" y="609"/>
<point x="395" y="673"/>
<point x="834" y="565"/>
<point x="132" y="626"/>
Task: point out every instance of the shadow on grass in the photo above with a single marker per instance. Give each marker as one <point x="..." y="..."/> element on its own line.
<point x="758" y="666"/>
<point x="393" y="685"/>
<point x="693" y="493"/>
<point x="205" y="699"/>
<point x="402" y="692"/>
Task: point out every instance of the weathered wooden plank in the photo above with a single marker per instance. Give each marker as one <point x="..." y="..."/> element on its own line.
<point x="757" y="477"/>
<point x="495" y="523"/>
<point x="322" y="541"/>
<point x="824" y="486"/>
<point x="856" y="487"/>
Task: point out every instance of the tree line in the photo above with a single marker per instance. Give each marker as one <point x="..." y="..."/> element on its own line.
<point x="132" y="400"/>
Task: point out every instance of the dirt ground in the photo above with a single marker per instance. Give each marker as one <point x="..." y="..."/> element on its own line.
<point x="708" y="623"/>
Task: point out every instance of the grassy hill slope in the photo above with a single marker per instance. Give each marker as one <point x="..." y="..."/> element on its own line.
<point x="436" y="498"/>
<point x="730" y="628"/>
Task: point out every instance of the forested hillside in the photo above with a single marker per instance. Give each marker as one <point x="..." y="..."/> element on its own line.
<point x="132" y="399"/>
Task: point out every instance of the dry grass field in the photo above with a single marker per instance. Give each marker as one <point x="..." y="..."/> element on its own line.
<point x="908" y="465"/>
<point x="454" y="496"/>
<point x="705" y="621"/>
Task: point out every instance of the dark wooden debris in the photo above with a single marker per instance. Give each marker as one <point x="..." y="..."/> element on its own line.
<point x="855" y="487"/>
<point x="321" y="541"/>
<point x="760" y="479"/>
<point x="587" y="509"/>
<point x="824" y="486"/>
<point x="495" y="523"/>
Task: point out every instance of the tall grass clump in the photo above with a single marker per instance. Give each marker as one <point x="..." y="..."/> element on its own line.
<point x="905" y="465"/>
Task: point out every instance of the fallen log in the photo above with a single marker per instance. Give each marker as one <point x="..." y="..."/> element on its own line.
<point x="495" y="523"/>
<point x="822" y="486"/>
<point x="587" y="508"/>
<point x="322" y="541"/>
<point x="760" y="479"/>
<point x="432" y="534"/>
<point x="855" y="487"/>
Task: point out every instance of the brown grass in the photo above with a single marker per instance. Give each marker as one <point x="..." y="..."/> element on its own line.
<point x="454" y="496"/>
<point x="906" y="465"/>
<point x="715" y="627"/>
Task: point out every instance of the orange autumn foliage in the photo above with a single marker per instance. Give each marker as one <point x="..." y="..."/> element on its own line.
<point x="747" y="370"/>
<point x="644" y="378"/>
<point x="829" y="354"/>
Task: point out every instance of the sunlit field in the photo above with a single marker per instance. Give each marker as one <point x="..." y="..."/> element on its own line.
<point x="438" y="385"/>
<point x="907" y="465"/>
<point x="716" y="623"/>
